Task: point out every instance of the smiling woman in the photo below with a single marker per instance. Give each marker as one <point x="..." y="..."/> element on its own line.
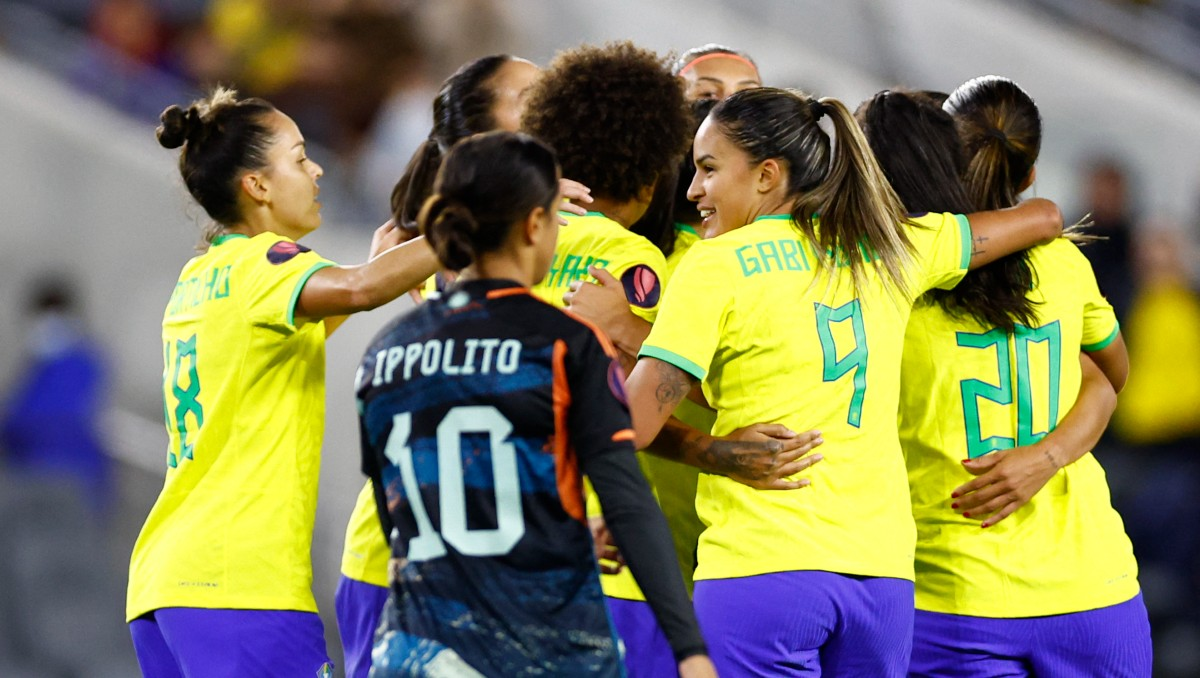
<point x="223" y="560"/>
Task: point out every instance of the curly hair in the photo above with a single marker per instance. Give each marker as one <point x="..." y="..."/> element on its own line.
<point x="615" y="115"/>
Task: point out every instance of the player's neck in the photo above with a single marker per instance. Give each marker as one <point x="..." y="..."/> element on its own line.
<point x="621" y="212"/>
<point x="500" y="268"/>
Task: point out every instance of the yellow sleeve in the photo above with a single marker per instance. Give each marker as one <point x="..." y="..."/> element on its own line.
<point x="689" y="325"/>
<point x="942" y="244"/>
<point x="642" y="271"/>
<point x="1100" y="326"/>
<point x="275" y="276"/>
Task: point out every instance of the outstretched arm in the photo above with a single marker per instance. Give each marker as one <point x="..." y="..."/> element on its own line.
<point x="998" y="233"/>
<point x="342" y="290"/>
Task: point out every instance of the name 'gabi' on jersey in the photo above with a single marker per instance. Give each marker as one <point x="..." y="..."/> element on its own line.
<point x="480" y="356"/>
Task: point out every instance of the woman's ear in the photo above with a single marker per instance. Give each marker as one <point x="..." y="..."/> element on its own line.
<point x="770" y="175"/>
<point x="255" y="188"/>
<point x="534" y="227"/>
<point x="1028" y="180"/>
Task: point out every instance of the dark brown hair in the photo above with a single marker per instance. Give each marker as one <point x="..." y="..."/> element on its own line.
<point x="222" y="137"/>
<point x="462" y="107"/>
<point x="917" y="145"/>
<point x="486" y="184"/>
<point x="615" y="115"/>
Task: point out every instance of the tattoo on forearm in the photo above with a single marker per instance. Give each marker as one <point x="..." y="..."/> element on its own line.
<point x="673" y="386"/>
<point x="977" y="245"/>
<point x="729" y="457"/>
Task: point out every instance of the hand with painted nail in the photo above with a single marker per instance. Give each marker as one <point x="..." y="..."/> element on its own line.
<point x="1005" y="481"/>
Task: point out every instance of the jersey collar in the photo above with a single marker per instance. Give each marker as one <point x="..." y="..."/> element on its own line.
<point x="226" y="237"/>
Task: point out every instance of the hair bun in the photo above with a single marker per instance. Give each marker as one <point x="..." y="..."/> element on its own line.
<point x="177" y="125"/>
<point x="450" y="226"/>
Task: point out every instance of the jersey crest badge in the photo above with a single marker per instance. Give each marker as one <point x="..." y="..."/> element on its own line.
<point x="642" y="287"/>
<point x="284" y="251"/>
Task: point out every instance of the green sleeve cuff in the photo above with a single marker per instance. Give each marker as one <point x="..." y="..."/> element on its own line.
<point x="1103" y="343"/>
<point x="964" y="232"/>
<point x="673" y="359"/>
<point x="291" y="308"/>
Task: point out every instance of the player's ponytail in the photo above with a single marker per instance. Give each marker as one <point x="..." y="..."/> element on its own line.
<point x="1001" y="130"/>
<point x="463" y="106"/>
<point x="917" y="144"/>
<point x="837" y="182"/>
<point x="222" y="137"/>
<point x="452" y="231"/>
<point x="487" y="184"/>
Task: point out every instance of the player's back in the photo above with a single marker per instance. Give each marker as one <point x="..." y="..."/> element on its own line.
<point x="463" y="405"/>
<point x="777" y="337"/>
<point x="970" y="390"/>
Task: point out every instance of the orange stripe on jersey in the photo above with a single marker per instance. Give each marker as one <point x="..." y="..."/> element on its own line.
<point x="623" y="434"/>
<point x="507" y="292"/>
<point x="566" y="464"/>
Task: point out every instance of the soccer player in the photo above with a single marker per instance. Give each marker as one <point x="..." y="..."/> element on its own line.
<point x="616" y="117"/>
<point x="483" y="95"/>
<point x="991" y="376"/>
<point x="790" y="319"/>
<point x="714" y="72"/>
<point x="220" y="578"/>
<point x="480" y="409"/>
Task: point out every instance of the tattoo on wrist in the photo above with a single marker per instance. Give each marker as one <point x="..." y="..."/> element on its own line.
<point x="727" y="458"/>
<point x="1051" y="459"/>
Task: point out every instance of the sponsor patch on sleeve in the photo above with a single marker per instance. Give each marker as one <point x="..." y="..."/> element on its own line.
<point x="616" y="382"/>
<point x="284" y="251"/>
<point x="642" y="287"/>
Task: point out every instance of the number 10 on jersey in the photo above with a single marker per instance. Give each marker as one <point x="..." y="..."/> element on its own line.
<point x="430" y="543"/>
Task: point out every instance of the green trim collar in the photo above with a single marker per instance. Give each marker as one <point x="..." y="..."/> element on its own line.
<point x="226" y="237"/>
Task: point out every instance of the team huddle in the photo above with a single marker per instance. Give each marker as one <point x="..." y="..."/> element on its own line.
<point x="708" y="378"/>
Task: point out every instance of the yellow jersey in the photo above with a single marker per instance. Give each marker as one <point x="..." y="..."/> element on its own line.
<point x="596" y="240"/>
<point x="366" y="552"/>
<point x="244" y="403"/>
<point x="673" y="483"/>
<point x="775" y="336"/>
<point x="969" y="390"/>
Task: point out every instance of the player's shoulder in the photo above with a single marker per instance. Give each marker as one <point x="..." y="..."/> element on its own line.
<point x="554" y="324"/>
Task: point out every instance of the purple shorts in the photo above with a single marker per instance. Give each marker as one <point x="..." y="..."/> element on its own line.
<point x="359" y="606"/>
<point x="647" y="653"/>
<point x="807" y="623"/>
<point x="1109" y="642"/>
<point x="174" y="642"/>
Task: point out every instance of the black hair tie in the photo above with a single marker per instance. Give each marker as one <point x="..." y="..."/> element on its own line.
<point x="998" y="134"/>
<point x="816" y="108"/>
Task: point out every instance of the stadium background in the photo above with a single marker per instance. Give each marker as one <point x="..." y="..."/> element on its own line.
<point x="86" y="193"/>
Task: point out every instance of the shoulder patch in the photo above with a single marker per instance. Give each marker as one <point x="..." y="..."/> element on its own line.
<point x="616" y="382"/>
<point x="284" y="251"/>
<point x="642" y="287"/>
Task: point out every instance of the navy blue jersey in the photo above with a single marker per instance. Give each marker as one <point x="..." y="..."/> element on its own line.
<point x="479" y="410"/>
